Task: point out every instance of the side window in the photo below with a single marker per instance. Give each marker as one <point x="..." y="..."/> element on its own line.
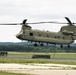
<point x="39" y="34"/>
<point x="63" y="37"/>
<point x="31" y="34"/>
<point x="23" y="32"/>
<point x="58" y="37"/>
<point x="47" y="35"/>
<point x="55" y="36"/>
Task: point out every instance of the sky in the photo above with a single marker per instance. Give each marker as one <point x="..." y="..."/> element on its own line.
<point x="15" y="11"/>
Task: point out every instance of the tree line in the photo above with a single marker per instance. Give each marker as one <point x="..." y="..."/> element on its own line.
<point x="31" y="48"/>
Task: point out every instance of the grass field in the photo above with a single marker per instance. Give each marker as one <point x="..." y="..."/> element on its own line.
<point x="53" y="55"/>
<point x="22" y="57"/>
<point x="6" y="73"/>
<point x="25" y="58"/>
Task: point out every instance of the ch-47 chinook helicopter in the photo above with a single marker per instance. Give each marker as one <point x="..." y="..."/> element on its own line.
<point x="66" y="35"/>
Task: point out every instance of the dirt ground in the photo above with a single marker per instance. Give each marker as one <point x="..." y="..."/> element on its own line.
<point x="39" y="69"/>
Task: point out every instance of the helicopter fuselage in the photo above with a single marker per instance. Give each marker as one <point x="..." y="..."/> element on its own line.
<point x="44" y="36"/>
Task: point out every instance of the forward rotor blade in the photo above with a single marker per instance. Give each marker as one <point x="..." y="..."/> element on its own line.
<point x="32" y="23"/>
<point x="11" y="24"/>
<point x="48" y="22"/>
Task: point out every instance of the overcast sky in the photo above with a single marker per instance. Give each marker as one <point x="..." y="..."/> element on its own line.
<point x="12" y="11"/>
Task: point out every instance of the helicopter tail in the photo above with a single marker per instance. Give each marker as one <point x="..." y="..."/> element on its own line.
<point x="69" y="30"/>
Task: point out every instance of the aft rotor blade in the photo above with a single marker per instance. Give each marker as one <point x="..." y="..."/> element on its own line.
<point x="73" y="23"/>
<point x="68" y="20"/>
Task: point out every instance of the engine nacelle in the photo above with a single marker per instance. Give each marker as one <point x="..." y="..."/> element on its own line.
<point x="65" y="32"/>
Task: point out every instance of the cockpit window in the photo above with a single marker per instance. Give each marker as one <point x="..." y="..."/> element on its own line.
<point x="31" y="34"/>
<point x="21" y="32"/>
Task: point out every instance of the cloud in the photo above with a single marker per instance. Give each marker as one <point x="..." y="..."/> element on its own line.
<point x="35" y="10"/>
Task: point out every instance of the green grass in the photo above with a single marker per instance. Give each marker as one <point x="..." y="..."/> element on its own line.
<point x="53" y="55"/>
<point x="65" y="55"/>
<point x="56" y="55"/>
<point x="6" y="73"/>
<point x="28" y="58"/>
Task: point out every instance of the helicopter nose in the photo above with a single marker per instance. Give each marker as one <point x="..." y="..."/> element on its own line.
<point x="18" y="36"/>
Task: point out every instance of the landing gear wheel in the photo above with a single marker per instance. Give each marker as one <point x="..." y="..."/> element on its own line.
<point x="68" y="46"/>
<point x="35" y="44"/>
<point x="61" y="46"/>
<point x="41" y="44"/>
